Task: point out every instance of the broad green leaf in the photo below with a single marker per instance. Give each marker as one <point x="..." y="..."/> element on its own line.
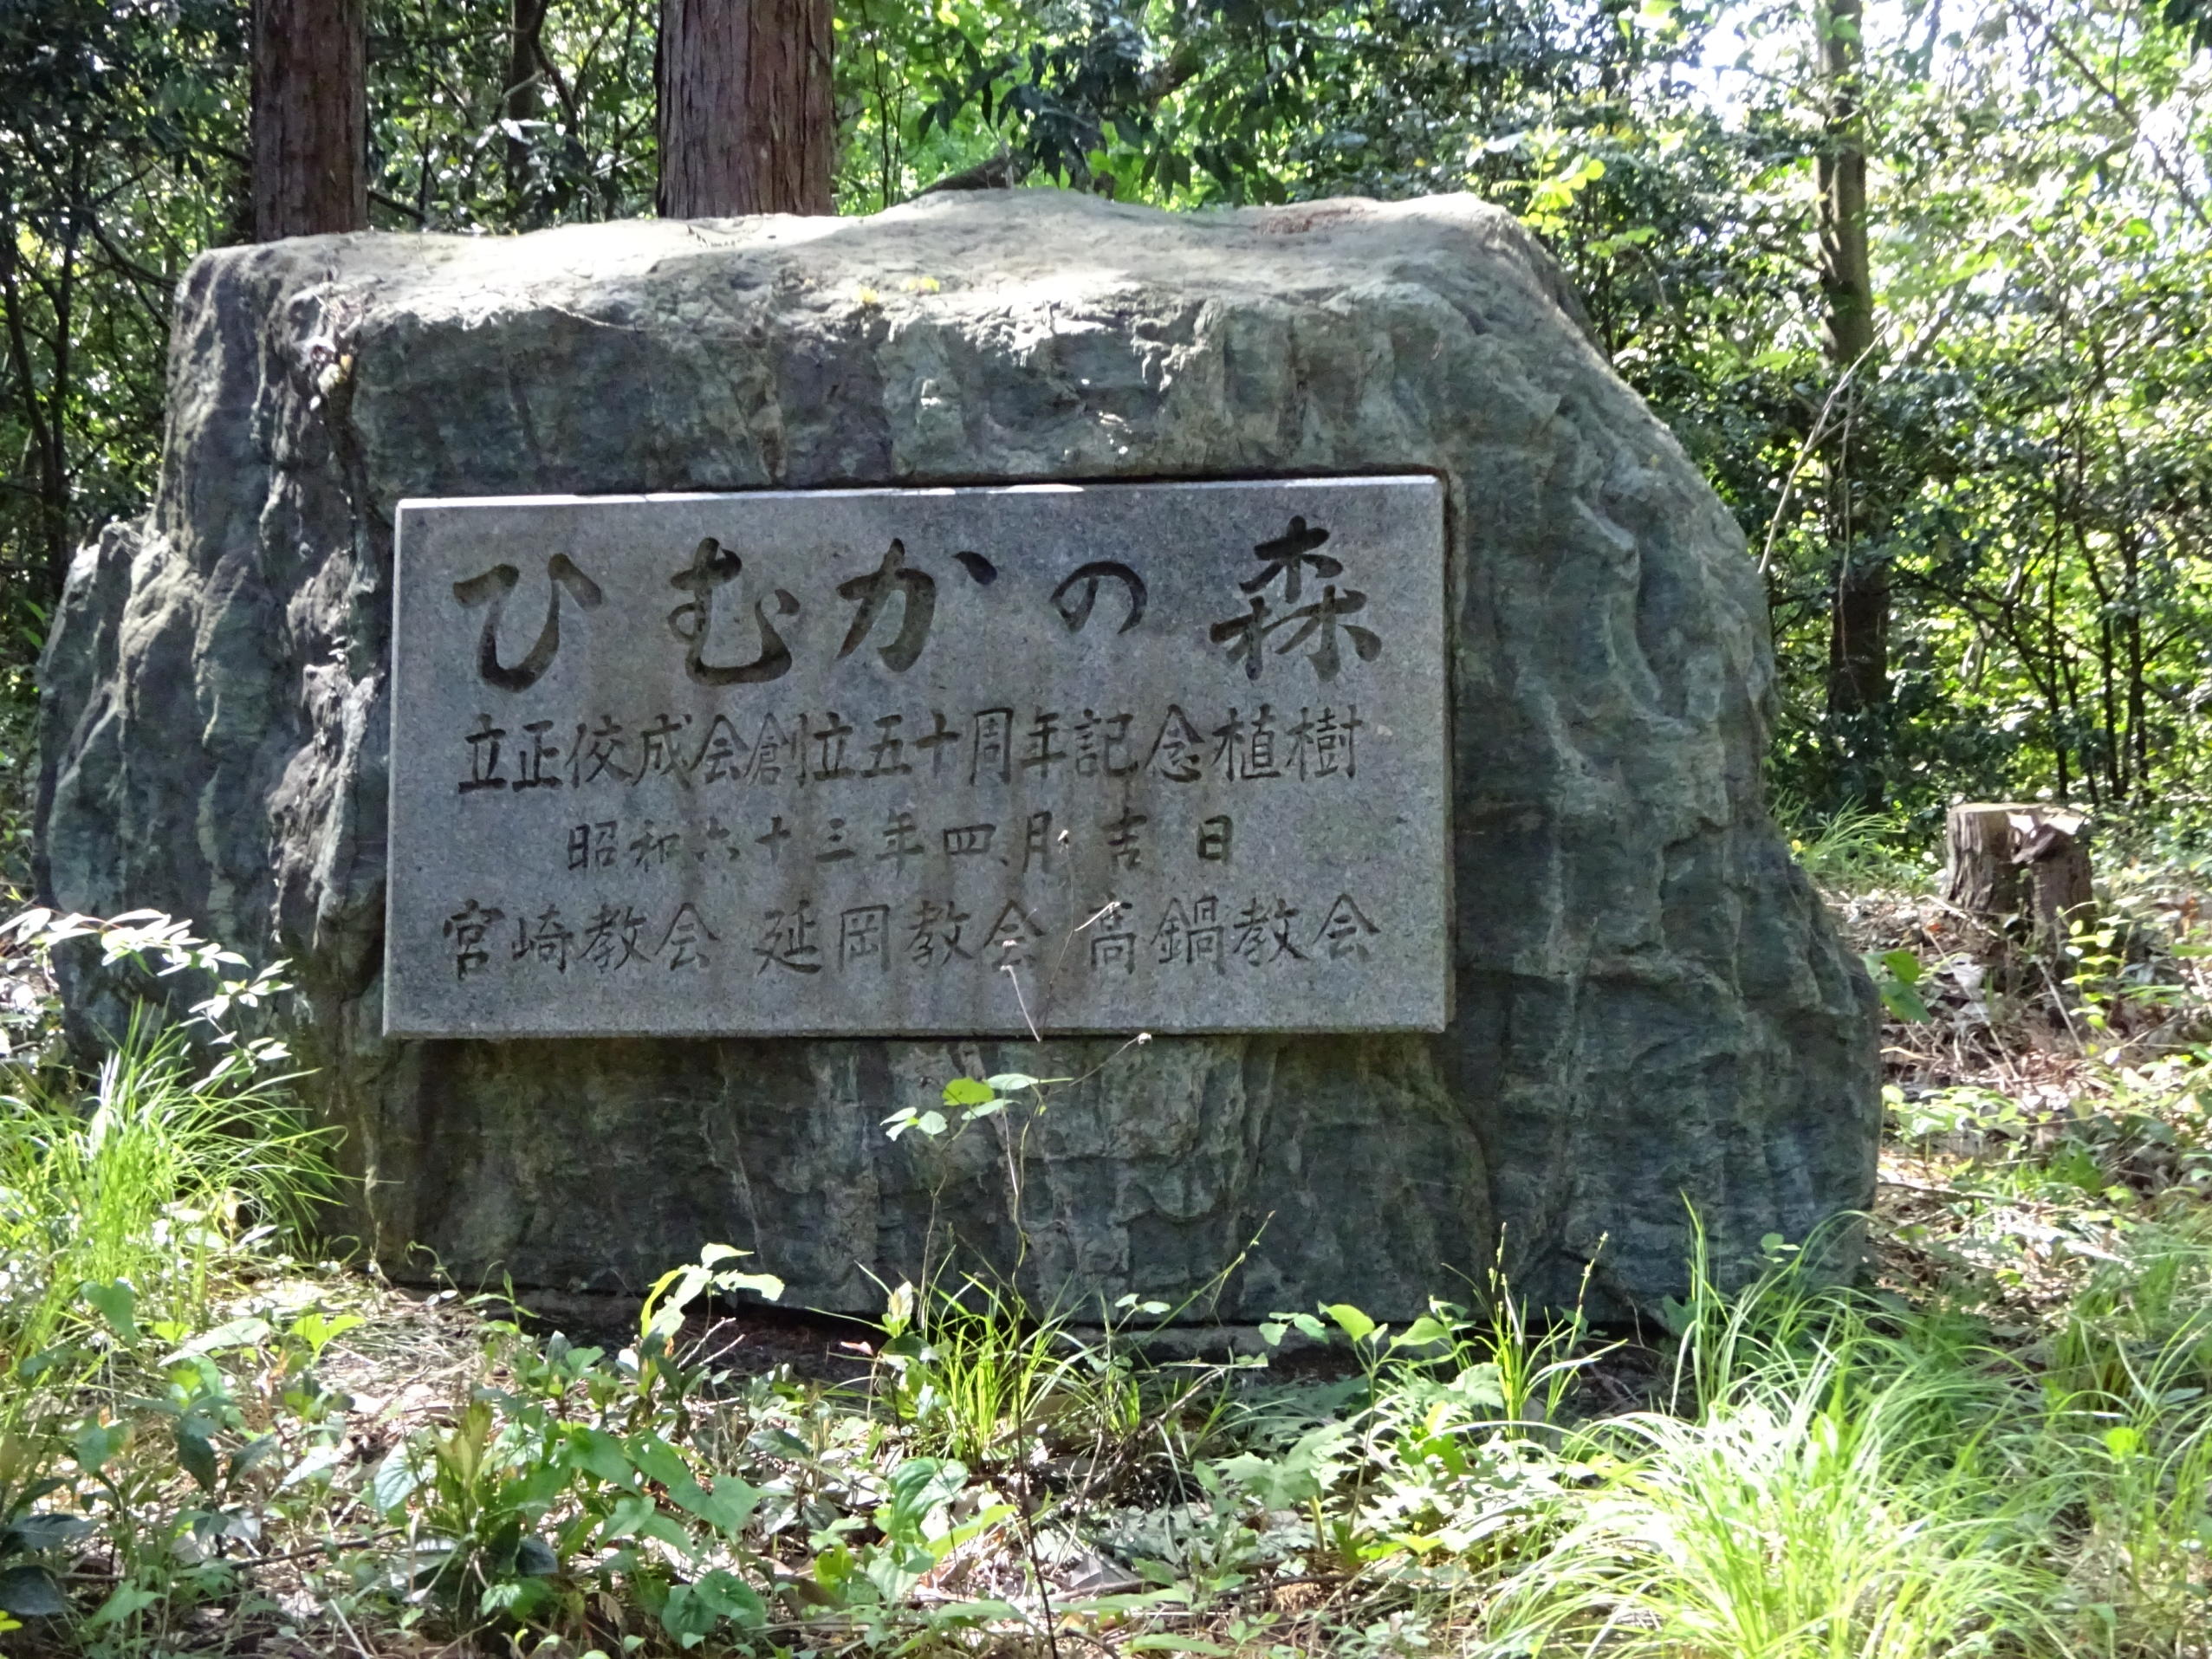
<point x="31" y="1592"/>
<point x="967" y="1092"/>
<point x="118" y="1304"/>
<point x="394" y="1481"/>
<point x="1350" y="1320"/>
<point x="196" y="1453"/>
<point x="45" y="1532"/>
<point x="657" y="1460"/>
<point x="599" y="1453"/>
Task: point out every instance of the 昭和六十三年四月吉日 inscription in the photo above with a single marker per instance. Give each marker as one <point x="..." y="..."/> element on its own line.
<point x="962" y="761"/>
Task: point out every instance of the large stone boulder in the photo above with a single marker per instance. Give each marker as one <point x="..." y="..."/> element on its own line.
<point x="1652" y="1017"/>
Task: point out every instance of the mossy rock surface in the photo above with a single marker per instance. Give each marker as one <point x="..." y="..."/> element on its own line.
<point x="1651" y="1012"/>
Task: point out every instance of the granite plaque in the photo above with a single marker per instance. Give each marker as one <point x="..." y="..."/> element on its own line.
<point x="1108" y="757"/>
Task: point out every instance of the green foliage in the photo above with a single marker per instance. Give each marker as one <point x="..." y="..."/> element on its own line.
<point x="1897" y="973"/>
<point x="2020" y="467"/>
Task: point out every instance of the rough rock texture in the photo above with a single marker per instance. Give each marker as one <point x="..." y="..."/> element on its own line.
<point x="1651" y="1010"/>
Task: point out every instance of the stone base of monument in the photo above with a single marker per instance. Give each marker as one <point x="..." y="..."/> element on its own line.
<point x="638" y="857"/>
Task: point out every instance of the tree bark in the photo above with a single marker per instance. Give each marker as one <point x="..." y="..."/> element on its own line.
<point x="310" y="117"/>
<point x="2010" y="864"/>
<point x="1859" y="629"/>
<point x="747" y="124"/>
<point x="523" y="104"/>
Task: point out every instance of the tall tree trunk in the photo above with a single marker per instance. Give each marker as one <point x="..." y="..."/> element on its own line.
<point x="747" y="124"/>
<point x="310" y="117"/>
<point x="523" y="104"/>
<point x="1858" y="635"/>
<point x="46" y="415"/>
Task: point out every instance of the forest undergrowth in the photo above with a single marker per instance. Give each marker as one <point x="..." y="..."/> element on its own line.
<point x="214" y="1439"/>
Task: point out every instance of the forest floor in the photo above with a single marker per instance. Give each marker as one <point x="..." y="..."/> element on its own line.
<point x="1999" y="1442"/>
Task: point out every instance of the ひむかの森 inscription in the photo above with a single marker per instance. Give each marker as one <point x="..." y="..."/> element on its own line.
<point x="1106" y="757"/>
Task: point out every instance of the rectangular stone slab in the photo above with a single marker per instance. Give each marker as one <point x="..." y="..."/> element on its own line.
<point x="1162" y="758"/>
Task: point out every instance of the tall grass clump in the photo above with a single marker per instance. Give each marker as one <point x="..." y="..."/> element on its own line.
<point x="1840" y="1476"/>
<point x="1850" y="850"/>
<point x="126" y="1196"/>
<point x="1828" y="1484"/>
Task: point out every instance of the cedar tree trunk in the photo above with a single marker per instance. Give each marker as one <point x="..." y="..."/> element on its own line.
<point x="1858" y="637"/>
<point x="747" y="124"/>
<point x="310" y="117"/>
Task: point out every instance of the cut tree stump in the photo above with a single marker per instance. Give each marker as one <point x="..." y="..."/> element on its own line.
<point x="2019" y="865"/>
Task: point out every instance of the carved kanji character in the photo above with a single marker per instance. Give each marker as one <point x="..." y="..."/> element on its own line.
<point x="1016" y="935"/>
<point x="685" y="939"/>
<point x="483" y="757"/>
<point x="530" y="758"/>
<point x="1324" y="745"/>
<point x="1284" y="559"/>
<point x="1038" y="753"/>
<point x="1123" y="844"/>
<point x="933" y="745"/>
<point x="898" y="839"/>
<point x="934" y="939"/>
<point x="1113" y="942"/>
<point x="1258" y="927"/>
<point x="992" y="750"/>
<point x="968" y="840"/>
<point x="611" y="938"/>
<point x="723" y="754"/>
<point x="830" y="739"/>
<point x="1098" y="741"/>
<point x="1179" y="751"/>
<point x="552" y="942"/>
<point x="467" y="927"/>
<point x="887" y="754"/>
<point x="1347" y="928"/>
<point x="862" y="935"/>
<point x="787" y="940"/>
<point x="661" y="754"/>
<point x="1321" y="617"/>
<point x="597" y="750"/>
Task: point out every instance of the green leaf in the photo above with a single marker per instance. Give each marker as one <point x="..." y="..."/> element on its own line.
<point x="31" y="1592"/>
<point x="95" y="1443"/>
<point x="1422" y="1332"/>
<point x="1350" y="1320"/>
<point x="248" y="1332"/>
<point x="394" y="1481"/>
<point x="930" y="1123"/>
<point x="318" y="1332"/>
<point x="766" y="1285"/>
<point x="726" y="1507"/>
<point x="196" y="1452"/>
<point x="253" y="1453"/>
<point x="598" y="1453"/>
<point x="118" y="1304"/>
<point x="657" y="1460"/>
<point x="1160" y="1642"/>
<point x="126" y="1600"/>
<point x="967" y="1092"/>
<point x="47" y="1531"/>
